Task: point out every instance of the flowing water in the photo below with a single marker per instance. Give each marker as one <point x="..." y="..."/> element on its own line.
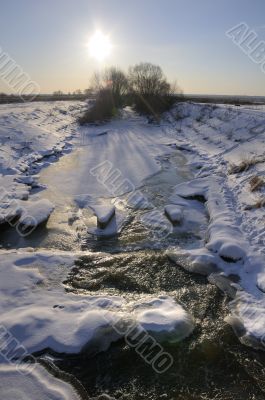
<point x="210" y="364"/>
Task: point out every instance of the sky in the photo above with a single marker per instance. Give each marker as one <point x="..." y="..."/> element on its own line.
<point x="49" y="40"/>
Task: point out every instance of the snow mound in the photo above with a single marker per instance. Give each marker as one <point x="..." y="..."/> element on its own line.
<point x="164" y="318"/>
<point x="199" y="261"/>
<point x="247" y="319"/>
<point x="41" y="315"/>
<point x="65" y="327"/>
<point x="223" y="235"/>
<point x="35" y="213"/>
<point x="113" y="227"/>
<point x="226" y="249"/>
<point x="193" y="188"/>
<point x="31" y="382"/>
<point x="104" y="214"/>
<point x="174" y="214"/>
<point x="232" y="251"/>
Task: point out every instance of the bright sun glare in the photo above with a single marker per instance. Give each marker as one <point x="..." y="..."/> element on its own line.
<point x="99" y="46"/>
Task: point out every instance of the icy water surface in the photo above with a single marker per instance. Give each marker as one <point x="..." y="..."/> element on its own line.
<point x="68" y="225"/>
<point x="211" y="363"/>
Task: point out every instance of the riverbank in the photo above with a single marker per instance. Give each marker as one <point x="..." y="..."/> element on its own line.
<point x="64" y="288"/>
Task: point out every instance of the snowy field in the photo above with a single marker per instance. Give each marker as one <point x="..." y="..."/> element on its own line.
<point x="225" y="150"/>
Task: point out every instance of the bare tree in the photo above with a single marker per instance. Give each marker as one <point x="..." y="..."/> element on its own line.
<point x="112" y="79"/>
<point x="88" y="92"/>
<point x="147" y="79"/>
<point x="145" y="87"/>
<point x="150" y="91"/>
<point x="116" y="81"/>
<point x="58" y="93"/>
<point x="97" y="82"/>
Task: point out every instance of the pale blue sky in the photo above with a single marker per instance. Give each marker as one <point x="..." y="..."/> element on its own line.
<point x="186" y="37"/>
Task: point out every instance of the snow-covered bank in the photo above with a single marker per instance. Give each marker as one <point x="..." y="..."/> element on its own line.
<point x="40" y="314"/>
<point x="36" y="383"/>
<point x="109" y="161"/>
<point x="216" y="139"/>
<point x="113" y="161"/>
<point x="32" y="136"/>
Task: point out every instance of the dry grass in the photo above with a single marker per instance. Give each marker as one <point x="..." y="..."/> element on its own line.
<point x="260" y="203"/>
<point x="256" y="183"/>
<point x="244" y="165"/>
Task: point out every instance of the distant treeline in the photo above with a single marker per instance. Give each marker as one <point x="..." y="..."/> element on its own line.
<point x="13" y="98"/>
<point x="59" y="96"/>
<point x="233" y="100"/>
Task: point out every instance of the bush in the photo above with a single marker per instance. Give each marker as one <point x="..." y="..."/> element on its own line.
<point x="102" y="110"/>
<point x="145" y="88"/>
<point x="153" y="105"/>
<point x="113" y="79"/>
<point x="151" y="92"/>
<point x="116" y="81"/>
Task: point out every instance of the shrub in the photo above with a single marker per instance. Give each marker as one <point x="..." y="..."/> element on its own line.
<point x="113" y="79"/>
<point x="151" y="92"/>
<point x="245" y="164"/>
<point x="116" y="81"/>
<point x="103" y="109"/>
<point x="145" y="88"/>
<point x="256" y="183"/>
<point x="260" y="203"/>
<point x="153" y="105"/>
<point x="111" y="87"/>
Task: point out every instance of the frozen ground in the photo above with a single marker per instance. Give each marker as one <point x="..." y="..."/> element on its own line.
<point x="33" y="384"/>
<point x="36" y="310"/>
<point x="41" y="315"/>
<point x="216" y="140"/>
<point x="99" y="164"/>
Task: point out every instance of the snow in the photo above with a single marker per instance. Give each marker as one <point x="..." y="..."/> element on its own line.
<point x="35" y="308"/>
<point x="35" y="213"/>
<point x="41" y="315"/>
<point x="247" y="316"/>
<point x="91" y="166"/>
<point x="110" y="165"/>
<point x="104" y="214"/>
<point x="30" y="135"/>
<point x="234" y="240"/>
<point x="224" y="284"/>
<point x="31" y="383"/>
<point x="192" y="218"/>
<point x="195" y="187"/>
<point x="174" y="213"/>
<point x="223" y="236"/>
<point x="199" y="261"/>
<point x="113" y="227"/>
<point x="164" y="317"/>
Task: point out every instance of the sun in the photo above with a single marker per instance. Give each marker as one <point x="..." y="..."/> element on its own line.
<point x="99" y="46"/>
